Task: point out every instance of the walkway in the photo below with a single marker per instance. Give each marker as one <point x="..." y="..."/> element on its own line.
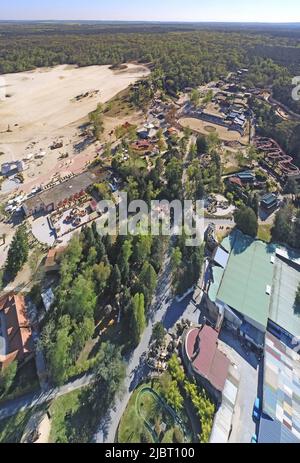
<point x="35" y="399"/>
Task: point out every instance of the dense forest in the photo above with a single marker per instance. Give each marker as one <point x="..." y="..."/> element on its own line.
<point x="187" y="54"/>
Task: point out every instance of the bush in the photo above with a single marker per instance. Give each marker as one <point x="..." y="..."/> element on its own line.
<point x="146" y="437"/>
<point x="178" y="437"/>
<point x="246" y="221"/>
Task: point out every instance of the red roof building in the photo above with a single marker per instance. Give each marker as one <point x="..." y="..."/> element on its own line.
<point x="236" y="181"/>
<point x="141" y="145"/>
<point x="204" y="360"/>
<point x="52" y="259"/>
<point x="15" y="331"/>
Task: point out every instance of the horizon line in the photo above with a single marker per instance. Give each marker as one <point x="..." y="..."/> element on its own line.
<point x="153" y="21"/>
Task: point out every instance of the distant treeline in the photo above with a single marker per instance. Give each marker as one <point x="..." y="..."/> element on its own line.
<point x="187" y="55"/>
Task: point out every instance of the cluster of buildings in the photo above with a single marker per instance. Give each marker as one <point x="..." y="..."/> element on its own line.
<point x="231" y="101"/>
<point x="242" y="179"/>
<point x="233" y="118"/>
<point x="239" y="183"/>
<point x="251" y="289"/>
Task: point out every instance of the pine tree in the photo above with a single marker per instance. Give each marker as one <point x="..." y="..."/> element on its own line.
<point x="138" y="317"/>
<point x="18" y="252"/>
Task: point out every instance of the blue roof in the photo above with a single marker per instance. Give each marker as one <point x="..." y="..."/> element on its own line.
<point x="281" y="386"/>
<point x="269" y="198"/>
<point x="246" y="175"/>
<point x="272" y="432"/>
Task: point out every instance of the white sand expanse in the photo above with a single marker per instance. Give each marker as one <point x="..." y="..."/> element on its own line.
<point x="40" y="107"/>
<point x="42" y="100"/>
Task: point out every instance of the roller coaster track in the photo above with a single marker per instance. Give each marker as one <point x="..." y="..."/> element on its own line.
<point x="148" y="390"/>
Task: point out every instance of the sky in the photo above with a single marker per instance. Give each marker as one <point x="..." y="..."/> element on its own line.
<point x="154" y="10"/>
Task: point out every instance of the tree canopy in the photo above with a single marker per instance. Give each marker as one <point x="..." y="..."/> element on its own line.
<point x="17" y="253"/>
<point x="246" y="220"/>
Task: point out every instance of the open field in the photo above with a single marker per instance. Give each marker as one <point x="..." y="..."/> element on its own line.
<point x="264" y="232"/>
<point x="50" y="105"/>
<point x="206" y="128"/>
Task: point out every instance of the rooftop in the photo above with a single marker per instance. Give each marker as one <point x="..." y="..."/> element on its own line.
<point x="217" y="275"/>
<point x="286" y="280"/>
<point x="202" y="350"/>
<point x="269" y="198"/>
<point x="248" y="273"/>
<point x="246" y="174"/>
<point x="53" y="256"/>
<point x="62" y="191"/>
<point x="236" y="181"/>
<point x="15" y="329"/>
<point x="272" y="432"/>
<point x="281" y="400"/>
<point x="220" y="257"/>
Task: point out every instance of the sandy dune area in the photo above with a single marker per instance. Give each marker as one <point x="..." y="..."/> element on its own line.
<point x="43" y="100"/>
<point x="48" y="105"/>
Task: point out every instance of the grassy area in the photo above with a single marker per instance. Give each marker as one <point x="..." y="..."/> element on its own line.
<point x="120" y="105"/>
<point x="264" y="233"/>
<point x="230" y="170"/>
<point x="12" y="429"/>
<point x="26" y="381"/>
<point x="69" y="417"/>
<point x="146" y="408"/>
<point x="138" y="163"/>
<point x="131" y="426"/>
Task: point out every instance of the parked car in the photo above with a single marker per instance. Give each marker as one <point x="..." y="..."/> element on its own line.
<point x="254" y="439"/>
<point x="256" y="409"/>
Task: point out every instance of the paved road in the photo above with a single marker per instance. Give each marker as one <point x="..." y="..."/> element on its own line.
<point x="137" y="368"/>
<point x="38" y="398"/>
<point x="169" y="313"/>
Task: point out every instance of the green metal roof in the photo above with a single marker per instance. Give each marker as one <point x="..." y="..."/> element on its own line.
<point x="217" y="277"/>
<point x="283" y="310"/>
<point x="226" y="244"/>
<point x="248" y="273"/>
